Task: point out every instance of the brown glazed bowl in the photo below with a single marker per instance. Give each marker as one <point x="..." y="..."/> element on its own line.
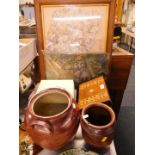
<point x="98" y="123"/>
<point x="52" y="118"/>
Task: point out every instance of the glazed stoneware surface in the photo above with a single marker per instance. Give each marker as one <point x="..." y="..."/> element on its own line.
<point x="98" y="124"/>
<point x="52" y="118"/>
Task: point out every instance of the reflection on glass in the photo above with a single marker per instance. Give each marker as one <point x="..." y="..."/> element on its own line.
<point x="76" y="18"/>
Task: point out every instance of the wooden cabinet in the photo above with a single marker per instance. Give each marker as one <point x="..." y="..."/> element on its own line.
<point x="121" y="62"/>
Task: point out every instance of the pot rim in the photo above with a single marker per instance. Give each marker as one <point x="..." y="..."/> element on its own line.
<point x="106" y="107"/>
<point x="48" y="91"/>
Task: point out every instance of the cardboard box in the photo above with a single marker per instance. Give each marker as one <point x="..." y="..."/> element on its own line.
<point x="27" y="52"/>
<point x="68" y="85"/>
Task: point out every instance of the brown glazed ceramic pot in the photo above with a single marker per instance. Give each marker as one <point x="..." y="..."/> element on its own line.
<point x="52" y="118"/>
<point x="98" y="123"/>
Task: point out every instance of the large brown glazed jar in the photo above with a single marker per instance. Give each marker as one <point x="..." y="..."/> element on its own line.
<point x="98" y="123"/>
<point x="52" y="118"/>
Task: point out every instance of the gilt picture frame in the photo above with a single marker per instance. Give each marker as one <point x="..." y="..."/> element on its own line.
<point x="75" y="29"/>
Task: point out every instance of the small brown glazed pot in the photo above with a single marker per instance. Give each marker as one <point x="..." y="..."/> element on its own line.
<point x="52" y="118"/>
<point x="98" y="123"/>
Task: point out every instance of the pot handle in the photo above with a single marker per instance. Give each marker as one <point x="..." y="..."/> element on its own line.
<point x="42" y="126"/>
